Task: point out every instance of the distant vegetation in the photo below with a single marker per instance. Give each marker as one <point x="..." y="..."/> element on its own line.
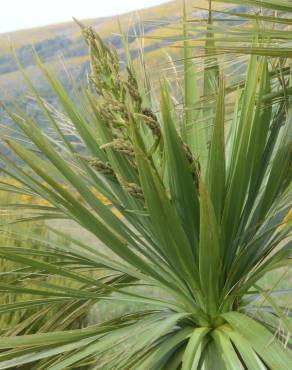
<point x="55" y="44"/>
<point x="62" y="42"/>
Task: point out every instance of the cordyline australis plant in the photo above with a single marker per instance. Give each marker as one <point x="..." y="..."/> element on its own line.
<point x="198" y="214"/>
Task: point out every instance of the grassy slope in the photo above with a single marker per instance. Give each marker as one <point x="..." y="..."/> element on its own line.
<point x="104" y="25"/>
<point x="107" y="28"/>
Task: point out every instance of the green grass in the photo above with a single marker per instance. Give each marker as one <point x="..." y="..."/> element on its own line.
<point x="24" y="236"/>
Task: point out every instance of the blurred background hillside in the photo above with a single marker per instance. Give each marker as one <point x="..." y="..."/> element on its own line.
<point x="63" y="42"/>
<point x="62" y="49"/>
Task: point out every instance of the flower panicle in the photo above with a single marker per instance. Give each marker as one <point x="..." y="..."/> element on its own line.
<point x="98" y="165"/>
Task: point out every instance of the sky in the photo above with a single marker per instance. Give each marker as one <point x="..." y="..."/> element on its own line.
<point x="20" y="14"/>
